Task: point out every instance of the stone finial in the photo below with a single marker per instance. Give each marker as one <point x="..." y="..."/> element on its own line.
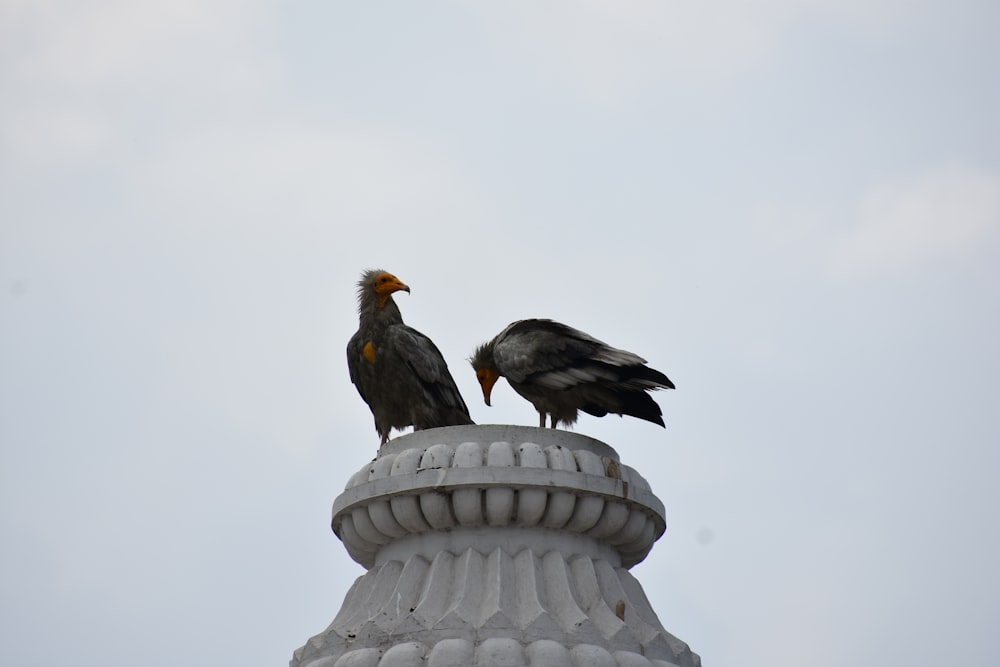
<point x="496" y="545"/>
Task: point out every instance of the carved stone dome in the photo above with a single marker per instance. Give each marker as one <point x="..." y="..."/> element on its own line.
<point x="496" y="545"/>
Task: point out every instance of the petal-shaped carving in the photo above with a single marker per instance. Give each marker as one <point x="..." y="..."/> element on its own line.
<point x="559" y="593"/>
<point x="437" y="456"/>
<point x="500" y="652"/>
<point x="588" y="507"/>
<point x="629" y="659"/>
<point x="380" y="512"/>
<point x="407" y="462"/>
<point x="613" y="518"/>
<point x="560" y="504"/>
<point x="530" y="502"/>
<point x="382" y="467"/>
<point x="589" y="596"/>
<point x="547" y="653"/>
<point x="468" y="503"/>
<point x="452" y="653"/>
<point x="588" y="655"/>
<point x="366" y="529"/>
<point x="408" y="514"/>
<point x="466" y="592"/>
<point x="436" y="508"/>
<point x="572" y="602"/>
<point x="396" y="614"/>
<point x="436" y="596"/>
<point x="500" y="500"/>
<point x="359" y="548"/>
<point x="364" y="657"/>
<point x="410" y="654"/>
<point x="632" y="530"/>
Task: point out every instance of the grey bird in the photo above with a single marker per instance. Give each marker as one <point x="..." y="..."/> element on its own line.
<point x="398" y="371"/>
<point x="563" y="370"/>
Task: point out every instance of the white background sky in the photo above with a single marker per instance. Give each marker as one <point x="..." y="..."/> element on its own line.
<point x="791" y="208"/>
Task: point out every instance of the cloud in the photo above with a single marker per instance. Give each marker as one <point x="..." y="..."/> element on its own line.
<point x="80" y="75"/>
<point x="605" y="49"/>
<point x="938" y="215"/>
<point x="90" y="43"/>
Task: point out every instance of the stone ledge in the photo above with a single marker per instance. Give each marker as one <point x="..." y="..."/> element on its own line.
<point x="497" y="433"/>
<point x="442" y="480"/>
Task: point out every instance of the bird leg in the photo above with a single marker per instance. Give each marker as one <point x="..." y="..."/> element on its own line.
<point x="541" y="421"/>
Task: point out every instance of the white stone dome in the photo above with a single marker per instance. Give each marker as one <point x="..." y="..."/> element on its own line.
<point x="496" y="545"/>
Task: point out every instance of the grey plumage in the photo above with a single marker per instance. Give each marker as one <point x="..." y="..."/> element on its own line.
<point x="398" y="371"/>
<point x="563" y="370"/>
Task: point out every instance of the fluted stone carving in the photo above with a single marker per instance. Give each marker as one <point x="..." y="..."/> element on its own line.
<point x="496" y="545"/>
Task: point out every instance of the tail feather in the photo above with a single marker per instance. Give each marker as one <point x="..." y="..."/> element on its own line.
<point x="631" y="402"/>
<point x="650" y="377"/>
<point x="640" y="404"/>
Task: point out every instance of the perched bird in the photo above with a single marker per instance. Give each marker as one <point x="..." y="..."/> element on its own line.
<point x="562" y="370"/>
<point x="398" y="371"/>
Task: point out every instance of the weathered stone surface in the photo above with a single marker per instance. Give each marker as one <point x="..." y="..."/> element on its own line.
<point x="496" y="545"/>
<point x="533" y="478"/>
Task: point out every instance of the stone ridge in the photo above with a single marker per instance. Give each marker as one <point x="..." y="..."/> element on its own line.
<point x="496" y="608"/>
<point x="498" y="484"/>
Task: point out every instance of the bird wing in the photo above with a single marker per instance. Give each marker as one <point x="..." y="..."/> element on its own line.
<point x="355" y="359"/>
<point x="427" y="363"/>
<point x="555" y="355"/>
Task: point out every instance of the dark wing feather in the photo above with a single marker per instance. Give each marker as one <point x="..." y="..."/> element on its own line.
<point x="561" y="370"/>
<point x="355" y="364"/>
<point x="428" y="375"/>
<point x="551" y="354"/>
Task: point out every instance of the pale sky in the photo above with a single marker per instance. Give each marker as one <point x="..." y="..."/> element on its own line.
<point x="790" y="208"/>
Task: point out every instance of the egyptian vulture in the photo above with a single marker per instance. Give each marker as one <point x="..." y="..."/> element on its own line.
<point x="398" y="371"/>
<point x="562" y="370"/>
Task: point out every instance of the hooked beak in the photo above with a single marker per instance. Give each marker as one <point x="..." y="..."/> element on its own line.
<point x="487" y="378"/>
<point x="387" y="285"/>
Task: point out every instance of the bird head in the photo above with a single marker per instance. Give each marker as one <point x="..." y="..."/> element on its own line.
<point x="385" y="284"/>
<point x="482" y="363"/>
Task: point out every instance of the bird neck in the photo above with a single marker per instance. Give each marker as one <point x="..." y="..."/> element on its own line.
<point x="370" y="312"/>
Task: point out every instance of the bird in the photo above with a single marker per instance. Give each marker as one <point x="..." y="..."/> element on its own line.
<point x="563" y="370"/>
<point x="398" y="371"/>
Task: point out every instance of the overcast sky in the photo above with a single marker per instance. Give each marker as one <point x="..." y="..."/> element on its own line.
<point x="792" y="208"/>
